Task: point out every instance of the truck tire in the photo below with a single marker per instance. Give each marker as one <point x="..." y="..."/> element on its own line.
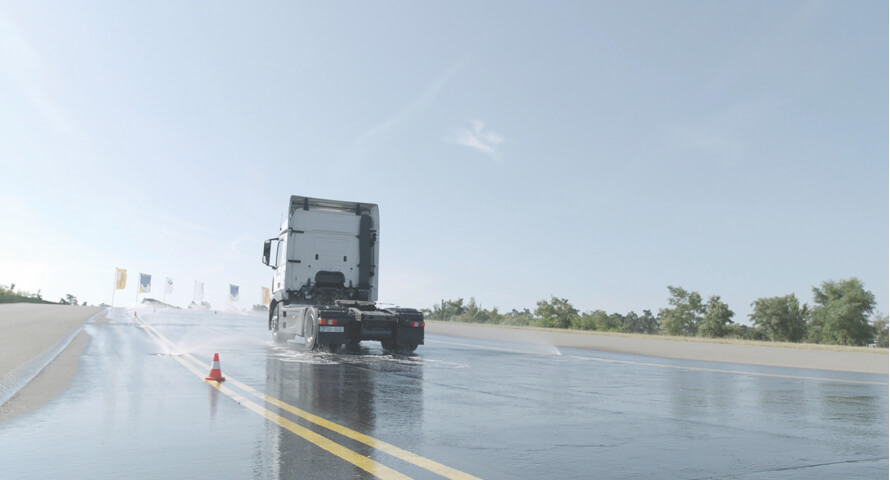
<point x="310" y="330"/>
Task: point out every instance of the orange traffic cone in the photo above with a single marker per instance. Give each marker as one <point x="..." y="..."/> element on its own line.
<point x="215" y="372"/>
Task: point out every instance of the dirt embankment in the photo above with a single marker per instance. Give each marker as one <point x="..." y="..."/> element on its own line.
<point x="39" y="346"/>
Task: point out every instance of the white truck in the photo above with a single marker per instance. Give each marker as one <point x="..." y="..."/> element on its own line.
<point x="325" y="283"/>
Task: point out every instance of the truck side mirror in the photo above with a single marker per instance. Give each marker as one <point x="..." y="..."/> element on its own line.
<point x="267" y="249"/>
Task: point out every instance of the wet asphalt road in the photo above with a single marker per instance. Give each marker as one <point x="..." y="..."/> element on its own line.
<point x="464" y="408"/>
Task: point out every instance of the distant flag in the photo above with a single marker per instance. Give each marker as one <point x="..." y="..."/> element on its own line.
<point x="199" y="292"/>
<point x="120" y="282"/>
<point x="233" y="293"/>
<point x="144" y="283"/>
<point x="267" y="296"/>
<point x="168" y="287"/>
<point x="120" y="279"/>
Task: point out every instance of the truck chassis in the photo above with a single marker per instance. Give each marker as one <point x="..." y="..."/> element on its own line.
<point x="346" y="323"/>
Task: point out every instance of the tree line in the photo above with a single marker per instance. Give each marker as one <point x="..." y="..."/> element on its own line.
<point x="9" y="294"/>
<point x="842" y="313"/>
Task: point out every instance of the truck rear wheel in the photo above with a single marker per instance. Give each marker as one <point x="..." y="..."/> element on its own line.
<point x="310" y="330"/>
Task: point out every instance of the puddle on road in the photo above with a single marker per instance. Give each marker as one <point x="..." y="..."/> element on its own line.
<point x="363" y="357"/>
<point x="289" y="355"/>
<point x="444" y="364"/>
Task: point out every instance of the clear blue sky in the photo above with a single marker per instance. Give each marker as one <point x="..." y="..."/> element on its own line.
<point x="597" y="151"/>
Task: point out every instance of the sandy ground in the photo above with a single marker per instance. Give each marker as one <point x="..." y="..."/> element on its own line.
<point x="49" y="383"/>
<point x="28" y="331"/>
<point x="845" y="359"/>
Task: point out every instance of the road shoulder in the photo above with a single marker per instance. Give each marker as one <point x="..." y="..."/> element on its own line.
<point x="861" y="360"/>
<point x="32" y="336"/>
<point x="51" y="381"/>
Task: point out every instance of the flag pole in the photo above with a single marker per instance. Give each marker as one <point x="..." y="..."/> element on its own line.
<point x="114" y="287"/>
<point x="165" y="290"/>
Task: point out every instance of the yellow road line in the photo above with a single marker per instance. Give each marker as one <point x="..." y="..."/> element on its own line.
<point x="664" y="365"/>
<point x="393" y="450"/>
<point x="377" y="469"/>
<point x="380" y="445"/>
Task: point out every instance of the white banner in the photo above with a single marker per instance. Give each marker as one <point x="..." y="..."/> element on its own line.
<point x="169" y="288"/>
<point x="199" y="291"/>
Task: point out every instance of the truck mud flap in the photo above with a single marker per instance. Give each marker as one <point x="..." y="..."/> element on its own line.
<point x="405" y="335"/>
<point x="340" y="337"/>
<point x="334" y="326"/>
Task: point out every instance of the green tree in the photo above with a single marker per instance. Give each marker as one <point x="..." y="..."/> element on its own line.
<point x="474" y="313"/>
<point x="880" y="324"/>
<point x="448" y="309"/>
<point x="515" y="317"/>
<point x="557" y="313"/>
<point x="493" y="316"/>
<point x="632" y="323"/>
<point x="717" y="319"/>
<point x="840" y="315"/>
<point x="70" y="299"/>
<point x="685" y="313"/>
<point x="783" y="318"/>
<point x="614" y="323"/>
<point x="593" y="320"/>
<point x="648" y="323"/>
<point x="748" y="333"/>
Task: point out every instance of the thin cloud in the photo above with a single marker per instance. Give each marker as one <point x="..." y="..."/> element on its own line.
<point x="235" y="245"/>
<point x="480" y="139"/>
<point x="170" y="222"/>
<point x="418" y="105"/>
<point x="24" y="64"/>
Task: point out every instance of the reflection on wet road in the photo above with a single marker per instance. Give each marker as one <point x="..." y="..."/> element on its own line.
<point x="459" y="408"/>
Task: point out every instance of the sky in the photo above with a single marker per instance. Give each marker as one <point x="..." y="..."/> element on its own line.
<point x="594" y="151"/>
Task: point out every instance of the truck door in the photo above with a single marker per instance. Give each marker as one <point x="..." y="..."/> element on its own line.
<point x="280" y="264"/>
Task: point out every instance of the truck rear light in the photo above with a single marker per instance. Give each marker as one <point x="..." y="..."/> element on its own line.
<point x="416" y="324"/>
<point x="327" y="321"/>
